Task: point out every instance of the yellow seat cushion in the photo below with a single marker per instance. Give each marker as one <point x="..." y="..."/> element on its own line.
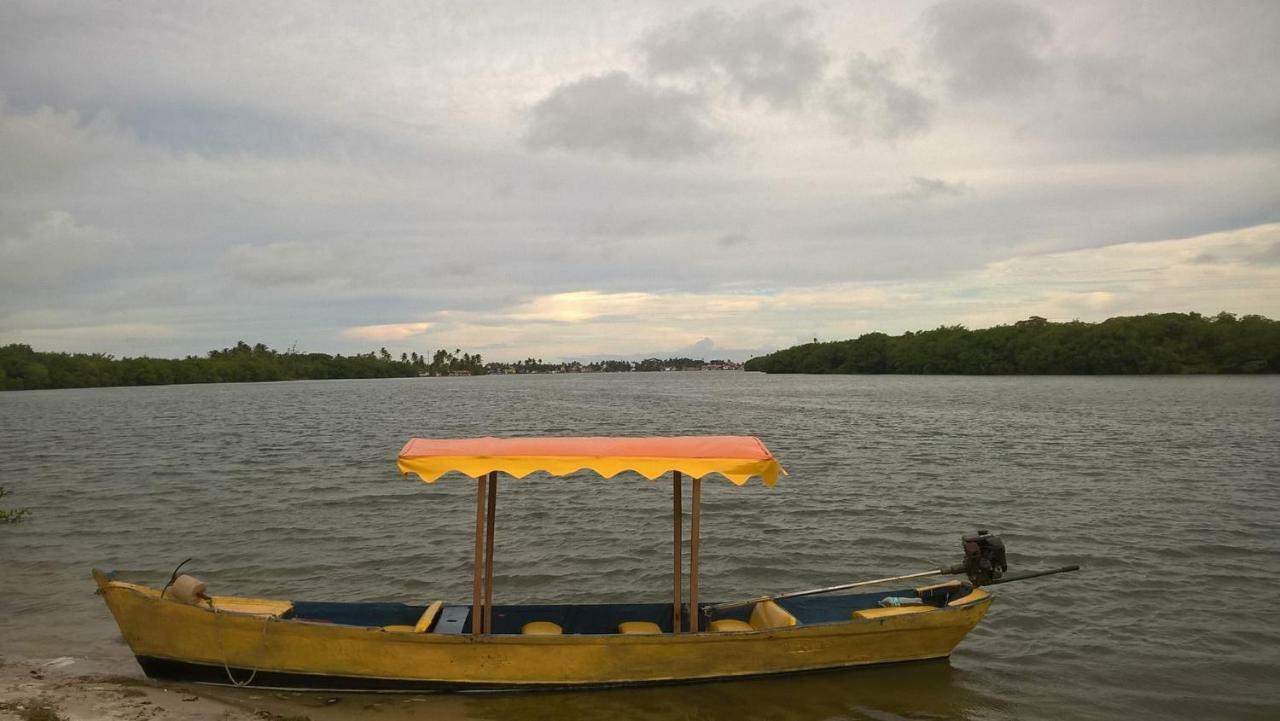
<point x="730" y="624"/>
<point x="429" y="615"/>
<point x="638" y="627"/>
<point x="891" y="611"/>
<point x="541" y="628"/>
<point x="768" y="614"/>
<point x="399" y="629"/>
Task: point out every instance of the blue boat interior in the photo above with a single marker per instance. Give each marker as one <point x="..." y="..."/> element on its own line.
<point x="604" y="618"/>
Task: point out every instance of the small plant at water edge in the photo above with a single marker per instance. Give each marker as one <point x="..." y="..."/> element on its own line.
<point x="12" y="515"/>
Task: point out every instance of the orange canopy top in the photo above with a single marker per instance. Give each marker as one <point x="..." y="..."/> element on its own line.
<point x="737" y="458"/>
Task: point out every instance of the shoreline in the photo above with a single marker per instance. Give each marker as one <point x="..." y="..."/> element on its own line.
<point x="73" y="689"/>
<point x="65" y="688"/>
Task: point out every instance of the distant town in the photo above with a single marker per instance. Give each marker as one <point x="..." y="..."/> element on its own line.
<point x="648" y="365"/>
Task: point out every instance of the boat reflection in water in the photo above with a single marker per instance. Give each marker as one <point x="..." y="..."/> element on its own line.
<point x="922" y="690"/>
<point x="928" y="689"/>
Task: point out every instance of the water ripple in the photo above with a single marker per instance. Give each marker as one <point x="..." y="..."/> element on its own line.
<point x="1167" y="491"/>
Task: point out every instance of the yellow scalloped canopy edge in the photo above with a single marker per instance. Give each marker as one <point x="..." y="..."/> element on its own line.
<point x="736" y="470"/>
<point x="737" y="458"/>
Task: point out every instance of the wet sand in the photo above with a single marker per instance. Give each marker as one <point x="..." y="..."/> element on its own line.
<point x="70" y="690"/>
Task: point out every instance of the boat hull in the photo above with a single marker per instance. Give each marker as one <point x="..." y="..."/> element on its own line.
<point x="176" y="641"/>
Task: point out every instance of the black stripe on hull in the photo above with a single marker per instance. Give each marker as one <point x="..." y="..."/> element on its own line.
<point x="186" y="671"/>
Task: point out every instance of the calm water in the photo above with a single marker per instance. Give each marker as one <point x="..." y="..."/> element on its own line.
<point x="1167" y="491"/>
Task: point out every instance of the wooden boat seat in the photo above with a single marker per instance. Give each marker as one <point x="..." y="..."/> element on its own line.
<point x="722" y="625"/>
<point x="252" y="606"/>
<point x="424" y="621"/>
<point x="868" y="613"/>
<point x="944" y="587"/>
<point x="768" y="614"/>
<point x="639" y="627"/>
<point x="452" y="619"/>
<point x="541" y="628"/>
<point x="428" y="616"/>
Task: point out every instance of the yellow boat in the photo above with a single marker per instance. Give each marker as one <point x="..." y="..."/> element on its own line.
<point x="182" y="633"/>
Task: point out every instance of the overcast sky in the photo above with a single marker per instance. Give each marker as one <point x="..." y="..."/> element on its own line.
<point x="613" y="179"/>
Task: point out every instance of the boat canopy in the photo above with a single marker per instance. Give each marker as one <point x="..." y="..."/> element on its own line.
<point x="737" y="458"/>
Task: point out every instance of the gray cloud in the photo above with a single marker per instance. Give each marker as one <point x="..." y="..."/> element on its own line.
<point x="870" y="99"/>
<point x="1243" y="254"/>
<point x="222" y="184"/>
<point x="922" y="188"/>
<point x="733" y="240"/>
<point x="53" y="250"/>
<point x="280" y="264"/>
<point x="619" y="114"/>
<point x="989" y="48"/>
<point x="1155" y="98"/>
<point x="767" y="54"/>
<point x="1269" y="255"/>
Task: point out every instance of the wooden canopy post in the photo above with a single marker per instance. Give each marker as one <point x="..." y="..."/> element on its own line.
<point x="477" y="586"/>
<point x="488" y="553"/>
<point x="695" y="522"/>
<point x="677" y="522"/>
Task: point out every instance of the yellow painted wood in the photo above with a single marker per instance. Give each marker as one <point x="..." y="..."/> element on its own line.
<point x="976" y="595"/>
<point x="541" y="628"/>
<point x="400" y="629"/>
<point x="730" y="624"/>
<point x="893" y="611"/>
<point x="251" y="606"/>
<point x="429" y="615"/>
<point x="639" y="627"/>
<point x="170" y="630"/>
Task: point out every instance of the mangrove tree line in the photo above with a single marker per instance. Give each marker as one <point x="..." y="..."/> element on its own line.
<point x="1153" y="343"/>
<point x="22" y="368"/>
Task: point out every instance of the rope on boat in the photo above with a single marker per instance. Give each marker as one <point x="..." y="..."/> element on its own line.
<point x="173" y="577"/>
<point x="262" y="647"/>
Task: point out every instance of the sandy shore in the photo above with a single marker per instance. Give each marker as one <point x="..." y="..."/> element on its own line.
<point x="64" y="689"/>
<point x="34" y="691"/>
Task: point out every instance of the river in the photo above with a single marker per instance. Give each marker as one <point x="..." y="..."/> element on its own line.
<point x="1165" y="489"/>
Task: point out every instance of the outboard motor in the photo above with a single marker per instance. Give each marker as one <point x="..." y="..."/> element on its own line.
<point x="984" y="559"/>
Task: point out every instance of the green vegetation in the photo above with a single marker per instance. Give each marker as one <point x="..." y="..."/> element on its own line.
<point x="21" y="368"/>
<point x="12" y="515"/>
<point x="1153" y="343"/>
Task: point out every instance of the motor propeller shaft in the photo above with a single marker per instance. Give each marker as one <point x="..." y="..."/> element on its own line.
<point x="1034" y="574"/>
<point x="984" y="563"/>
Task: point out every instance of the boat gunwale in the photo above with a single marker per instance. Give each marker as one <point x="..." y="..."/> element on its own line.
<point x="981" y="597"/>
